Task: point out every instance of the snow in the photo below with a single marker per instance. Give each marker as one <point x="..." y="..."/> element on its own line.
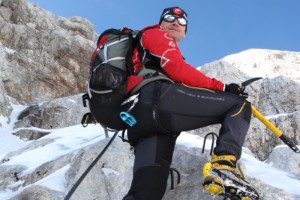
<point x="65" y="140"/>
<point x="70" y="139"/>
<point x="253" y="167"/>
<point x="109" y="172"/>
<point x="270" y="175"/>
<point x="267" y="63"/>
<point x="8" y="142"/>
<point x="62" y="141"/>
<point x="10" y="51"/>
<point x="56" y="180"/>
<point x="278" y="115"/>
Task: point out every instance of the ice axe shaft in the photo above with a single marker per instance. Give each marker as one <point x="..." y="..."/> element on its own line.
<point x="275" y="130"/>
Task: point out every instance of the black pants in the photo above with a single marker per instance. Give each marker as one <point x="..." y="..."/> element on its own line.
<point x="163" y="111"/>
<point x="153" y="156"/>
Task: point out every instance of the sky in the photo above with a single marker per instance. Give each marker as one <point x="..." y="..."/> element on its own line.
<point x="216" y="28"/>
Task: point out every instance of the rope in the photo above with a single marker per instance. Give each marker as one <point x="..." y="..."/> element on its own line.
<point x="75" y="186"/>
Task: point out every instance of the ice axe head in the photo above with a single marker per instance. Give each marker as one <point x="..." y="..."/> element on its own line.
<point x="248" y="82"/>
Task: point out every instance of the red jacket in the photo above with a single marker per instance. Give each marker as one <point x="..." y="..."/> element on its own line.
<point x="160" y="44"/>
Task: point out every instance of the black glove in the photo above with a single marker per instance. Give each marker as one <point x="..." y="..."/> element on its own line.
<point x="235" y="89"/>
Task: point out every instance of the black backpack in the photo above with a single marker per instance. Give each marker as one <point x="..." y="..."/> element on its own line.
<point x="111" y="64"/>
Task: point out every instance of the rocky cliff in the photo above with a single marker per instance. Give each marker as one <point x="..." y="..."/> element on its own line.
<point x="43" y="56"/>
<point x="44" y="66"/>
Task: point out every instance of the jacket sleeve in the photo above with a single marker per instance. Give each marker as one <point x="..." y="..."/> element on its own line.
<point x="162" y="46"/>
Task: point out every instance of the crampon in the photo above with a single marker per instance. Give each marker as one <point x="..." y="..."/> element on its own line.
<point x="231" y="188"/>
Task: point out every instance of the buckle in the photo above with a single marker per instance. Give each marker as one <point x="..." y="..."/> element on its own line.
<point x="85" y="97"/>
<point x="128" y="118"/>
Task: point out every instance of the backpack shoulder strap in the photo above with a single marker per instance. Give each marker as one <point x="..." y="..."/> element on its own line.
<point x="145" y="57"/>
<point x="141" y="51"/>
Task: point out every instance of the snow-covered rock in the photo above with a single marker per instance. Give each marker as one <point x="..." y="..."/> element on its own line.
<point x="282" y="158"/>
<point x="267" y="63"/>
<point x="44" y="149"/>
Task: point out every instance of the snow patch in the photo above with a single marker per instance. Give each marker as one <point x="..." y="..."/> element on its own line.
<point x="56" y="180"/>
<point x="10" y="51"/>
<point x="108" y="172"/>
<point x="10" y="142"/>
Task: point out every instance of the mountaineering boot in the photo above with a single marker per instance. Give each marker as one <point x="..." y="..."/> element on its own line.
<point x="221" y="178"/>
<point x="212" y="182"/>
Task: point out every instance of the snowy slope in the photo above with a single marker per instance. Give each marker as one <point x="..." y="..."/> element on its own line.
<point x="67" y="140"/>
<point x="71" y="139"/>
<point x="8" y="142"/>
<point x="267" y="63"/>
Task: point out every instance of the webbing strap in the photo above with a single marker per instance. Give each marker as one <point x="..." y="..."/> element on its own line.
<point x="148" y="80"/>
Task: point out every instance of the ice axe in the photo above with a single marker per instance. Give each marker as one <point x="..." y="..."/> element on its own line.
<point x="266" y="122"/>
<point x="275" y="130"/>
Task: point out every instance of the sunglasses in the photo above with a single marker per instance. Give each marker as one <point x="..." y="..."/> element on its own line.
<point x="171" y="18"/>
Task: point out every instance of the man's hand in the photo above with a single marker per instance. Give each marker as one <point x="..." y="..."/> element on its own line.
<point x="235" y="89"/>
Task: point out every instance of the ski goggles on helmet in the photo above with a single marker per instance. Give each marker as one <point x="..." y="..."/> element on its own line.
<point x="171" y="18"/>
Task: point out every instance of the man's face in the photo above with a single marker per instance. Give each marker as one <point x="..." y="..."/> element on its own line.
<point x="176" y="30"/>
